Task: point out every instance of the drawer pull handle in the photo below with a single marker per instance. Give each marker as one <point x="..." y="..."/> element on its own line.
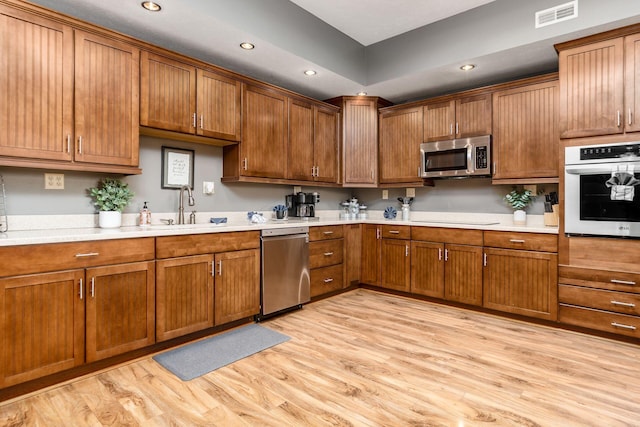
<point x="623" y="282"/>
<point x="87" y="254"/>
<point x="326" y="233"/>
<point x="328" y="253"/>
<point x="394" y="232"/>
<point x="623" y="304"/>
<point x="328" y="280"/>
<point x="623" y="326"/>
<point x="516" y="240"/>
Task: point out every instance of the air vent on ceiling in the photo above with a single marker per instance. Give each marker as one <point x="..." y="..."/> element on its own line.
<point x="557" y="14"/>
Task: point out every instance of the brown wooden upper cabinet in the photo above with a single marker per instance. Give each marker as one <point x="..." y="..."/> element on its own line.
<point x="400" y="137"/>
<point x="459" y="117"/>
<point x="69" y="104"/>
<point x="178" y="97"/>
<point x="598" y="86"/>
<point x="313" y="142"/>
<point x="359" y="139"/>
<point x="525" y="132"/>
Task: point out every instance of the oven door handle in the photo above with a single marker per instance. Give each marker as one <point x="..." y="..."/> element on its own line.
<point x="592" y="169"/>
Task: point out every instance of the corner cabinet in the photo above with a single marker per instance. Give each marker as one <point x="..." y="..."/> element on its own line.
<point x="525" y="133"/>
<point x="359" y="139"/>
<point x="178" y="97"/>
<point x="399" y="149"/>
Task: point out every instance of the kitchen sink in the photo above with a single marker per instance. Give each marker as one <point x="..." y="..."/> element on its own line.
<point x="184" y="226"/>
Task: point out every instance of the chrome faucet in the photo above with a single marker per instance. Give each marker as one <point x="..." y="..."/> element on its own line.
<point x="181" y="207"/>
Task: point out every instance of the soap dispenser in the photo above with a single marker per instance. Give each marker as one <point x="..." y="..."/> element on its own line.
<point x="145" y="216"/>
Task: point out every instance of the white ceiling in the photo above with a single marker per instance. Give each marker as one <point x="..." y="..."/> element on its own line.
<point x="371" y="21"/>
<point x="397" y="49"/>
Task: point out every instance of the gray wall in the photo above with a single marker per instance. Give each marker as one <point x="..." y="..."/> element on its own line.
<point x="26" y="194"/>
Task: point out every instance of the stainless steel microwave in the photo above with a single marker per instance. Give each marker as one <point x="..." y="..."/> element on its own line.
<point x="456" y="158"/>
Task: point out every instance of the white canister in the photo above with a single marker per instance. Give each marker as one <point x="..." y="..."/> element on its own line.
<point x="406" y="212"/>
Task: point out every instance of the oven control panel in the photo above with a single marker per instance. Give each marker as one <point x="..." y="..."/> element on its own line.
<point x="610" y="151"/>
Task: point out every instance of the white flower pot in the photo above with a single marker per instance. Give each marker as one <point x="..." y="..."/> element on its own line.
<point x="109" y="219"/>
<point x="519" y="217"/>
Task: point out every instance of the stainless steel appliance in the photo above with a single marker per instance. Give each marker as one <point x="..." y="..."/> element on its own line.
<point x="285" y="269"/>
<point x="302" y="205"/>
<point x="601" y="197"/>
<point x="456" y="158"/>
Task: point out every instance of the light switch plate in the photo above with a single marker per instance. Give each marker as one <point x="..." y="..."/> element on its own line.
<point x="54" y="181"/>
<point x="385" y="194"/>
<point x="411" y="192"/>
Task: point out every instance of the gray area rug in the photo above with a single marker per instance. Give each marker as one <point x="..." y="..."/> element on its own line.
<point x="193" y="360"/>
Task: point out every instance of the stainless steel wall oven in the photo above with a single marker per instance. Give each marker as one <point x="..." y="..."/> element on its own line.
<point x="602" y="196"/>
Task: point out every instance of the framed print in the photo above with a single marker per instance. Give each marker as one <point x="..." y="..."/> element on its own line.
<point x="177" y="167"/>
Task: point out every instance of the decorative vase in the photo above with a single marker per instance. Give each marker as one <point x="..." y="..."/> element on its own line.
<point x="519" y="217"/>
<point x="109" y="219"/>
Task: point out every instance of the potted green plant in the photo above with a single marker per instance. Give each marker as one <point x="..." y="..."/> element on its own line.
<point x="110" y="197"/>
<point x="519" y="200"/>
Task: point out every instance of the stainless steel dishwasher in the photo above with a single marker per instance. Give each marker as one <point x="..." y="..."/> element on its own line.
<point x="285" y="269"/>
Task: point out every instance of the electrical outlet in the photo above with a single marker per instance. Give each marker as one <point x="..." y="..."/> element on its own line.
<point x="54" y="181"/>
<point x="385" y="194"/>
<point x="208" y="187"/>
<point x="411" y="192"/>
<point x="297" y="189"/>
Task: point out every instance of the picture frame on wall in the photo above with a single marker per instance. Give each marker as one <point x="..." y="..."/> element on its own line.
<point x="177" y="167"/>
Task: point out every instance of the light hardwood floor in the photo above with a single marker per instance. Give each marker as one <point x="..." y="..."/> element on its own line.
<point x="370" y="359"/>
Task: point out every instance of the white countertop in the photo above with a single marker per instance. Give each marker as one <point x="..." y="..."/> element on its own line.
<point x="42" y="229"/>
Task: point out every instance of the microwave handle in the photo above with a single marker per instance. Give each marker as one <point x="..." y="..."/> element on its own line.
<point x="470" y="160"/>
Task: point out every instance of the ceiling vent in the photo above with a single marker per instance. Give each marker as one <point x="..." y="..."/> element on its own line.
<point x="557" y="14"/>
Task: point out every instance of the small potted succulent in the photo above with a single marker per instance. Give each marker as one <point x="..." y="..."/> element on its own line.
<point x="519" y="200"/>
<point x="110" y="197"/>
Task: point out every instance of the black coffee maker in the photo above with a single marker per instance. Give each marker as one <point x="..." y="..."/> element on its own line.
<point x="302" y="205"/>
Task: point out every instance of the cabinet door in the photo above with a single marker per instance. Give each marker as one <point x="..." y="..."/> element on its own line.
<point x="325" y="144"/>
<point x="42" y="325"/>
<point x="525" y="132"/>
<point x="473" y="116"/>
<point x="591" y="89"/>
<point x="120" y="309"/>
<point x="36" y="77"/>
<point x="439" y="121"/>
<point x="463" y="274"/>
<point x="301" y="164"/>
<point x="522" y="282"/>
<point x="370" y="267"/>
<point x="184" y="296"/>
<point x="360" y="142"/>
<point x="237" y="285"/>
<point x="427" y="269"/>
<point x="106" y="100"/>
<point x="264" y="133"/>
<point x="218" y="106"/>
<point x="400" y="137"/>
<point x="395" y="264"/>
<point x="167" y="93"/>
<point x="352" y="253"/>
<point x="632" y="83"/>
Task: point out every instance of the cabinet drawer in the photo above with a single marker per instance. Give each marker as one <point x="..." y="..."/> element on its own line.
<point x="396" y="232"/>
<point x="620" y="302"/>
<point x="325" y="232"/>
<point x="525" y="241"/>
<point x="28" y="259"/>
<point x="601" y="320"/>
<point x="322" y="254"/>
<point x="326" y="279"/>
<point x="198" y="244"/>
<point x="613" y="280"/>
<point x="457" y="236"/>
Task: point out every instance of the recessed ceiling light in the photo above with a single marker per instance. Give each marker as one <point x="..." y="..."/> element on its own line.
<point x="310" y="72"/>
<point x="467" y="67"/>
<point x="247" y="45"/>
<point x="151" y="6"/>
<point x="361" y="93"/>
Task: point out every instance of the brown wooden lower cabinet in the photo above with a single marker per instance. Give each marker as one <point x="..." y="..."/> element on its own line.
<point x="184" y="295"/>
<point x="601" y="320"/>
<point x="326" y="259"/>
<point x="326" y="279"/>
<point x="395" y="271"/>
<point x="42" y="325"/>
<point x="427" y="269"/>
<point x="370" y="265"/>
<point x="237" y="285"/>
<point x="120" y="310"/>
<point x="386" y="260"/>
<point x="463" y="274"/>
